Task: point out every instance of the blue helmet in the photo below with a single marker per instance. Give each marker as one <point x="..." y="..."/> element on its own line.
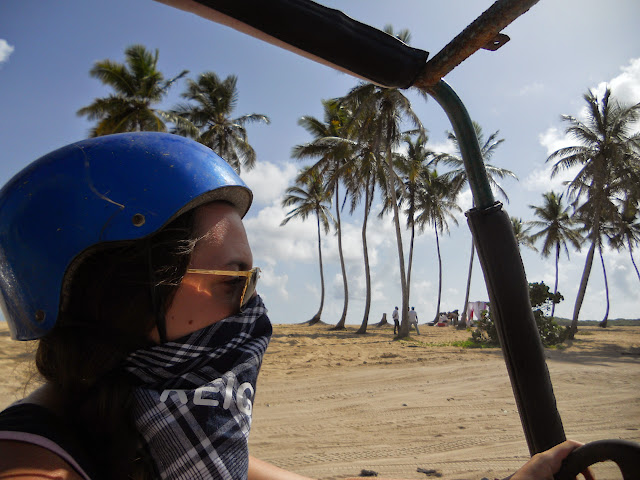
<point x="105" y="189"/>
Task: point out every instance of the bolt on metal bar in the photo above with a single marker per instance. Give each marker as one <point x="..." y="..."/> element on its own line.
<point x="483" y="32"/>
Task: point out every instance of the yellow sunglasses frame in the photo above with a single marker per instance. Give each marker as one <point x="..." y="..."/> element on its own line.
<point x="248" y="274"/>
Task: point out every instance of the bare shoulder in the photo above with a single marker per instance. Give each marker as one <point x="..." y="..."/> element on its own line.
<point x="24" y="461"/>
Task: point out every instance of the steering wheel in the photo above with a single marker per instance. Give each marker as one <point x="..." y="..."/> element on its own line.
<point x="624" y="453"/>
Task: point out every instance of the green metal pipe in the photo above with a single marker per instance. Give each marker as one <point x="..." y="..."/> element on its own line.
<point x="468" y="142"/>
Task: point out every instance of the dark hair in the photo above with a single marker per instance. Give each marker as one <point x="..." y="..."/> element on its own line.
<point x="114" y="298"/>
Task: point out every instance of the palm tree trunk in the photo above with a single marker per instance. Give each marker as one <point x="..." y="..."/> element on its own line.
<point x="439" y="276"/>
<point x="343" y="319"/>
<point x="555" y="287"/>
<point x="463" y="318"/>
<point x="632" y="259"/>
<point x="404" y="323"/>
<point x="604" y="321"/>
<point x="367" y="271"/>
<point x="410" y="263"/>
<point x="595" y="239"/>
<point x="582" y="290"/>
<point x="316" y="318"/>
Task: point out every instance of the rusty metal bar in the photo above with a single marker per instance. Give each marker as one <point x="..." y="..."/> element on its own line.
<point x="483" y="32"/>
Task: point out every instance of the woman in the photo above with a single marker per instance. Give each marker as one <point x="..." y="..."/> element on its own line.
<point x="126" y="257"/>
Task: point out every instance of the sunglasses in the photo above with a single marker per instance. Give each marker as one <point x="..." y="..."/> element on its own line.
<point x="251" y="279"/>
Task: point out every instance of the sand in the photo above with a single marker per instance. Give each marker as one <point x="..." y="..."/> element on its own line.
<point x="331" y="404"/>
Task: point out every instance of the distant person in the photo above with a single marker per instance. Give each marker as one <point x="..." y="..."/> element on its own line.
<point x="396" y="321"/>
<point x="455" y="317"/>
<point x="413" y="319"/>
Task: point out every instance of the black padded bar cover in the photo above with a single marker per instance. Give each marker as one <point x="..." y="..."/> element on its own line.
<point x="512" y="314"/>
<point x="322" y="34"/>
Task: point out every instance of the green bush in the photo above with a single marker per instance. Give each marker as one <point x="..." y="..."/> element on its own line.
<point x="541" y="301"/>
<point x="541" y="298"/>
<point x="550" y="332"/>
<point x="485" y="332"/>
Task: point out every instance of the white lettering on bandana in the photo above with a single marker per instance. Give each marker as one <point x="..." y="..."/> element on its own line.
<point x="194" y="396"/>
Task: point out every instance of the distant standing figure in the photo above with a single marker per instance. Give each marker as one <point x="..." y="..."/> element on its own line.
<point x="396" y="321"/>
<point x="413" y="319"/>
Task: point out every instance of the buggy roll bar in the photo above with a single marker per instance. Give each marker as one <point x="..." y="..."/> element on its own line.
<point x="332" y="38"/>
<point x="507" y="287"/>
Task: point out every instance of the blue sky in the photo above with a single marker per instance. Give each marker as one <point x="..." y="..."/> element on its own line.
<point x="557" y="52"/>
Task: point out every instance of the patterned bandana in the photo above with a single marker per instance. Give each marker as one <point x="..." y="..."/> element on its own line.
<point x="194" y="396"/>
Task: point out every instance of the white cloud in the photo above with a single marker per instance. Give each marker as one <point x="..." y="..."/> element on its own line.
<point x="5" y="50"/>
<point x="358" y="285"/>
<point x="337" y="287"/>
<point x="451" y="292"/>
<point x="424" y="304"/>
<point x="446" y="146"/>
<point x="623" y="293"/>
<point x="351" y="243"/>
<point x="271" y="243"/>
<point x="553" y="139"/>
<point x="269" y="181"/>
<point x="378" y="288"/>
<point x="269" y="278"/>
<point x="539" y="179"/>
<point x="626" y="86"/>
<point x="465" y="201"/>
<point x="313" y="289"/>
<point x="297" y="241"/>
<point x="531" y="89"/>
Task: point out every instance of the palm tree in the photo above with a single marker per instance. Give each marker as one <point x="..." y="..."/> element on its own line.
<point x="436" y="203"/>
<point x="626" y="229"/>
<point x="331" y="145"/>
<point x="309" y="196"/>
<point x="557" y="228"/>
<point x="429" y="198"/>
<point x="210" y="122"/>
<point x="607" y="156"/>
<point x="361" y="180"/>
<point x="138" y="85"/>
<point x="521" y="233"/>
<point x="379" y="113"/>
<point x="459" y="174"/>
<point x="584" y="214"/>
<point x="382" y="110"/>
<point x="413" y="169"/>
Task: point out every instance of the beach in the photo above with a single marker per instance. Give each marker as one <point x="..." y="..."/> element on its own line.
<point x="331" y="404"/>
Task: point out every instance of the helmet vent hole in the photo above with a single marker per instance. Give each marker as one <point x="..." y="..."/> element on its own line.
<point x="40" y="315"/>
<point x="138" y="220"/>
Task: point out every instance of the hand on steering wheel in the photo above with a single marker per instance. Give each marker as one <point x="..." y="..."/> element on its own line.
<point x="544" y="465"/>
<point x="624" y="453"/>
